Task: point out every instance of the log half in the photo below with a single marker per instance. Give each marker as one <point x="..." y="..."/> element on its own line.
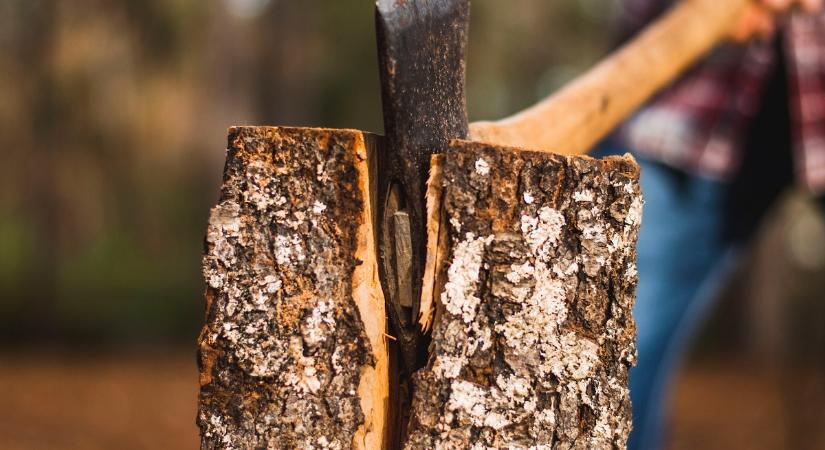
<point x="293" y="354"/>
<point x="531" y="273"/>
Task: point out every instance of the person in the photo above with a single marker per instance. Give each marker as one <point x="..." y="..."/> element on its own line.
<point x="715" y="151"/>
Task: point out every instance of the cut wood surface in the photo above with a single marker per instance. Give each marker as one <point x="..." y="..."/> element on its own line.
<point x="535" y="278"/>
<point x="293" y="354"/>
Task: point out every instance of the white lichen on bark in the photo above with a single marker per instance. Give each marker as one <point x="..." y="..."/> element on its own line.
<point x="534" y="337"/>
<point x="463" y="273"/>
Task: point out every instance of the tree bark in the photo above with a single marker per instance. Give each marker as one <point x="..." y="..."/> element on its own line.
<point x="532" y="257"/>
<point x="293" y="353"/>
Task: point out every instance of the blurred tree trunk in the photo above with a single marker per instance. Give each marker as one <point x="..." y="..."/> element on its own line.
<point x="41" y="206"/>
<point x="786" y="313"/>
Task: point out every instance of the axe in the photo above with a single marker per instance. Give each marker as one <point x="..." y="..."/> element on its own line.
<point x="422" y="61"/>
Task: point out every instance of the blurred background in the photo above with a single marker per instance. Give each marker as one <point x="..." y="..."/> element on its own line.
<point x="113" y="116"/>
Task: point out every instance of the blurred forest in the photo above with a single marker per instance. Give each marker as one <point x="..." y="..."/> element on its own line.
<point x="113" y="118"/>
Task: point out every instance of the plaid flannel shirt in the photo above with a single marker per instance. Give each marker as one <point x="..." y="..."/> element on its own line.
<point x="699" y="124"/>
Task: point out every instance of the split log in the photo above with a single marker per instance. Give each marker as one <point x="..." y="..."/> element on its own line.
<point x="528" y="289"/>
<point x="532" y="256"/>
<point x="293" y="353"/>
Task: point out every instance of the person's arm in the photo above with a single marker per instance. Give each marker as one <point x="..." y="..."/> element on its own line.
<point x="760" y="18"/>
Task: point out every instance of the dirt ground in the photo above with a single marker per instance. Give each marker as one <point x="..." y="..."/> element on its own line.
<point x="148" y="401"/>
<point x="126" y="402"/>
<point x="718" y="406"/>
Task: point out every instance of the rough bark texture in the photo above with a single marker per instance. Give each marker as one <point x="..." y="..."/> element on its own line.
<point x="293" y="354"/>
<point x="533" y="335"/>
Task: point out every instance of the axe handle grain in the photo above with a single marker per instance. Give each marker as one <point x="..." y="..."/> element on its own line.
<point x="572" y="120"/>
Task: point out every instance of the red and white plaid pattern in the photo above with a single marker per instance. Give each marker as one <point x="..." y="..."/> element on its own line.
<point x="699" y="123"/>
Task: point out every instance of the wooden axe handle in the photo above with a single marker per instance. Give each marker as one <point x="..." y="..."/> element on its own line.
<point x="572" y="120"/>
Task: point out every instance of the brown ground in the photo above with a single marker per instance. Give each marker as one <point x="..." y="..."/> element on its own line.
<point x="729" y="408"/>
<point x="148" y="402"/>
<point x="82" y="403"/>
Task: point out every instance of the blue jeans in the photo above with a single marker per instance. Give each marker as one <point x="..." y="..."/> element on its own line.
<point x="682" y="258"/>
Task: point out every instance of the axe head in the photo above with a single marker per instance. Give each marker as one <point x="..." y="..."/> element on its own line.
<point x="421" y="51"/>
<point x="421" y="54"/>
